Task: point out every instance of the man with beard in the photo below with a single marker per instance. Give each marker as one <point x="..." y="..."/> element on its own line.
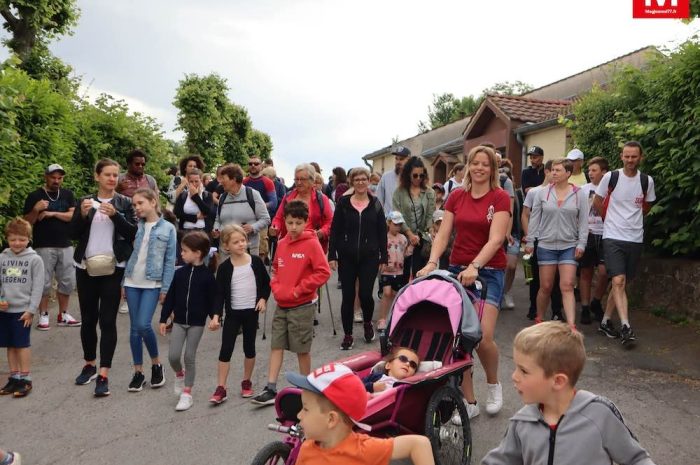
<point x="533" y="176"/>
<point x="49" y="209"/>
<point x="390" y="179"/>
<point x="266" y="188"/>
<point x="134" y="178"/>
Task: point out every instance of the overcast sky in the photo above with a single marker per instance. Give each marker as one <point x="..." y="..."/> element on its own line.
<point x="331" y="81"/>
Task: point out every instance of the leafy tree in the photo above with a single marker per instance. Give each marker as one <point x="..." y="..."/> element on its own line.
<point x="508" y="88"/>
<point x="259" y="144"/>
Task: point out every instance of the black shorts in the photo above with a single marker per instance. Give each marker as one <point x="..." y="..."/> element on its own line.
<point x="396" y="282"/>
<point x="622" y="257"/>
<point x="593" y="255"/>
<point x="12" y="331"/>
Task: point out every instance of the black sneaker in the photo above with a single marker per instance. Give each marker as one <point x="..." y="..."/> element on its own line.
<point x="586" y="316"/>
<point x="627" y="335"/>
<point x="102" y="386"/>
<point x="137" y="382"/>
<point x="347" y="342"/>
<point x="266" y="397"/>
<point x="23" y="387"/>
<point x="609" y="330"/>
<point x="10" y="387"/>
<point x="597" y="310"/>
<point x="369" y="332"/>
<point x="157" y="376"/>
<point x="531" y="314"/>
<point x="88" y="373"/>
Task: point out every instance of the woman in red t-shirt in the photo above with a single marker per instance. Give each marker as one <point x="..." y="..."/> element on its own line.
<point x="479" y="214"/>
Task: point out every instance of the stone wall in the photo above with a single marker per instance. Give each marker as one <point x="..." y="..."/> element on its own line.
<point x="667" y="287"/>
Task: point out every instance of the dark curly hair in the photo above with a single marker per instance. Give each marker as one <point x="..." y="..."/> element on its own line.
<point x="195" y="158"/>
<point x="405" y="179"/>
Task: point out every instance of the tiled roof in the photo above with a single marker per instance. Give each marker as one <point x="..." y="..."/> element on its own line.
<point x="527" y="109"/>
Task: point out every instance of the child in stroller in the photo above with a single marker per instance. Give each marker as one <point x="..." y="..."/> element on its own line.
<point x="401" y="364"/>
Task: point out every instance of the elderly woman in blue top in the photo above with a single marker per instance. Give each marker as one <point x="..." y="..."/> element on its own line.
<point x="148" y="275"/>
<point x="240" y="205"/>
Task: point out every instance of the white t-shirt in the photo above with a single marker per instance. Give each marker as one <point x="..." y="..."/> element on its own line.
<point x="101" y="237"/>
<point x="243" y="288"/>
<point x="595" y="221"/>
<point x="191" y="208"/>
<point x="451" y="185"/>
<point x="624" y="219"/>
<point x="138" y="276"/>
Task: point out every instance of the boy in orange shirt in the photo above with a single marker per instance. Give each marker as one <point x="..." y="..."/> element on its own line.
<point x="333" y="401"/>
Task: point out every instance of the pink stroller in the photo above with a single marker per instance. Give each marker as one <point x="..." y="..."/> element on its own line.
<point x="434" y="315"/>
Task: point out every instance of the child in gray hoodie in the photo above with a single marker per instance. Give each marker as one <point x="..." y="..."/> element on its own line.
<point x="21" y="286"/>
<point x="560" y="424"/>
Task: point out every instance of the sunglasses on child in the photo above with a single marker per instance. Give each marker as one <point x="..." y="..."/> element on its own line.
<point x="418" y="175"/>
<point x="404" y="359"/>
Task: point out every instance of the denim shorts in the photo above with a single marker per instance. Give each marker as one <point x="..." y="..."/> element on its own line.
<point x="515" y="248"/>
<point x="12" y="331"/>
<point x="556" y="257"/>
<point x="495" y="281"/>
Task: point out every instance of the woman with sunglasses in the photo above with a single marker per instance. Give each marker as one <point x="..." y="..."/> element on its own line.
<point x="416" y="202"/>
<point x="478" y="213"/>
<point x="358" y="247"/>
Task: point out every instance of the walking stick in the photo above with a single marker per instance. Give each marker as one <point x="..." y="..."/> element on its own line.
<point x="264" y="324"/>
<point x="330" y="308"/>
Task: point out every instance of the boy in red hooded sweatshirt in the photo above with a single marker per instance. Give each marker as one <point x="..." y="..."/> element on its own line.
<point x="300" y="268"/>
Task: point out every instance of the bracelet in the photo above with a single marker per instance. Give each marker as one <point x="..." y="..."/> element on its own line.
<point x="434" y="263"/>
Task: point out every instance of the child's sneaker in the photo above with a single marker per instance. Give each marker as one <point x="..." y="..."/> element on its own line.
<point x="608" y="329"/>
<point x="10" y="387"/>
<point x="381" y="325"/>
<point x="626" y="335"/>
<point x="219" y="396"/>
<point x="88" y="373"/>
<point x="358" y="317"/>
<point x="369" y="332"/>
<point x="494" y="400"/>
<point x="184" y="403"/>
<point x="347" y="343"/>
<point x="508" y="303"/>
<point x="179" y="385"/>
<point x="472" y="411"/>
<point x="14" y="458"/>
<point x="124" y="307"/>
<point x="246" y="388"/>
<point x="43" y="324"/>
<point x="266" y="397"/>
<point x="65" y="319"/>
<point x="23" y="388"/>
<point x="101" y="386"/>
<point x="137" y="382"/>
<point x="157" y="376"/>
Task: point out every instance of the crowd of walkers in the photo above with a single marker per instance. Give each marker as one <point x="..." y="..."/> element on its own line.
<point x="206" y="256"/>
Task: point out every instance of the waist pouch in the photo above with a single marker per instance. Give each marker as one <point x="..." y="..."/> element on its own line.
<point x="100" y="265"/>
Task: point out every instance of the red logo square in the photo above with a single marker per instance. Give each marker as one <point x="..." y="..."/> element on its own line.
<point x="678" y="9"/>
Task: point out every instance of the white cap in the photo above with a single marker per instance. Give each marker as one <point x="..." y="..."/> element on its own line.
<point x="575" y="154"/>
<point x="396" y="217"/>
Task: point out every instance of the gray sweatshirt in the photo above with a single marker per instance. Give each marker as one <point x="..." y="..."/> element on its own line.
<point x="21" y="280"/>
<point x="385" y="190"/>
<point x="236" y="209"/>
<point x="559" y="227"/>
<point x="591" y="432"/>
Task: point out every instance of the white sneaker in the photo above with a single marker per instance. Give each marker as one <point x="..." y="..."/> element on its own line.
<point x="508" y="301"/>
<point x="65" y="319"/>
<point x="124" y="308"/>
<point x="185" y="402"/>
<point x="358" y="317"/>
<point x="472" y="411"/>
<point x="494" y="400"/>
<point x="43" y="322"/>
<point x="179" y="385"/>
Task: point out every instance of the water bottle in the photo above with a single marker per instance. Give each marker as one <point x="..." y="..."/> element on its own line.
<point x="527" y="267"/>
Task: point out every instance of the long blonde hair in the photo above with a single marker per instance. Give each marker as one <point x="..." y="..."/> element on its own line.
<point x="494" y="183"/>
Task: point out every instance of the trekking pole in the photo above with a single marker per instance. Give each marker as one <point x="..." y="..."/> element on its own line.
<point x="330" y="308"/>
<point x="264" y="324"/>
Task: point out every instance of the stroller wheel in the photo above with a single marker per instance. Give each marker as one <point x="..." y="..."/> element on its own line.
<point x="452" y="444"/>
<point x="274" y="453"/>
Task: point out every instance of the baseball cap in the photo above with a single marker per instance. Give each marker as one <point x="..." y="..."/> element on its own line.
<point x="401" y="151"/>
<point x="54" y="167"/>
<point x="575" y="154"/>
<point x="535" y="150"/>
<point x="338" y="384"/>
<point x="396" y="217"/>
<point x="438" y="215"/>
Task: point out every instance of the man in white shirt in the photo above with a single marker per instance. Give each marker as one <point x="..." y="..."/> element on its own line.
<point x="390" y="179"/>
<point x="623" y="231"/>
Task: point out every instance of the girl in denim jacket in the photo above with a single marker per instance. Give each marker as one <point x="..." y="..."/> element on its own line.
<point x="148" y="275"/>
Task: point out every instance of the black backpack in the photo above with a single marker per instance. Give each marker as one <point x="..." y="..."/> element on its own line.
<point x="614" y="177"/>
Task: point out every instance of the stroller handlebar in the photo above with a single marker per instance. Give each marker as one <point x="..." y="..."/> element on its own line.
<point x="479" y="285"/>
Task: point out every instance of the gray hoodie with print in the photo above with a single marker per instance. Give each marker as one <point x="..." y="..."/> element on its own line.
<point x="591" y="432"/>
<point x="21" y="280"/>
<point x="559" y="226"/>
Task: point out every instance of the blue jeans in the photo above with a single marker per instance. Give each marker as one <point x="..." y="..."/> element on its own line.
<point x="142" y="304"/>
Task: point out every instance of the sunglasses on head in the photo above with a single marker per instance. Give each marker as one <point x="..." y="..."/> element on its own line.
<point x="403" y="359"/>
<point x="418" y="175"/>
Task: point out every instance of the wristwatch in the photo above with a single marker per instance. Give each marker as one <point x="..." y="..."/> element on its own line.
<point x="476" y="265"/>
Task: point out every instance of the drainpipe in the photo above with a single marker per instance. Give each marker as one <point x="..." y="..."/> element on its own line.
<point x="369" y="166"/>
<point x="523" y="150"/>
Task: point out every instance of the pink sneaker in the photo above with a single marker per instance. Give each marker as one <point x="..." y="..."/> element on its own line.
<point x="246" y="388"/>
<point x="65" y="319"/>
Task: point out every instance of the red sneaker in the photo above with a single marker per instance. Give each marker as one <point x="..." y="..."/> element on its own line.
<point x="246" y="388"/>
<point x="219" y="396"/>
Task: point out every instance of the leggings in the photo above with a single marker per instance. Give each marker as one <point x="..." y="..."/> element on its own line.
<point x="98" y="297"/>
<point x="189" y="337"/>
<point x="414" y="263"/>
<point x="535" y="287"/>
<point x="235" y="319"/>
<point x="142" y="304"/>
<point x="351" y="269"/>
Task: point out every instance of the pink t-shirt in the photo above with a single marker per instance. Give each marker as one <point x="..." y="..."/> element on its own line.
<point x="472" y="225"/>
<point x="397" y="249"/>
<point x="359" y="205"/>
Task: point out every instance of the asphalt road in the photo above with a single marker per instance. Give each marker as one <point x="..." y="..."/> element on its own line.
<point x="656" y="386"/>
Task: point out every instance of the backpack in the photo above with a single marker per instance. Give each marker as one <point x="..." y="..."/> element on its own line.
<point x="248" y="196"/>
<point x="319" y="200"/>
<point x="614" y="177"/>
